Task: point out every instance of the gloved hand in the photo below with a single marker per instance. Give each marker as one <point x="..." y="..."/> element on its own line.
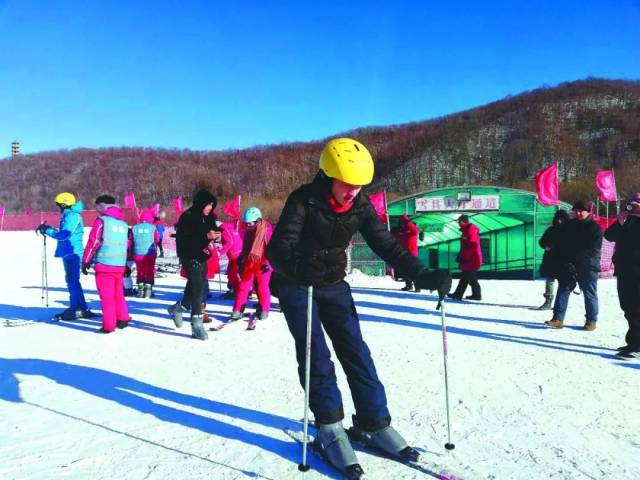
<point x="42" y="228"/>
<point x="310" y="271"/>
<point x="265" y="268"/>
<point x="439" y="280"/>
<point x="85" y="268"/>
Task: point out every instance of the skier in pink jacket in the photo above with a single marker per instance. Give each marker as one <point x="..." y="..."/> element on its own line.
<point x="107" y="248"/>
<point x="231" y="246"/>
<point x="145" y="241"/>
<point x="254" y="264"/>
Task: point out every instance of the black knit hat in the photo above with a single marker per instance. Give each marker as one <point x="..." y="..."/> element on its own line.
<point x="584" y="206"/>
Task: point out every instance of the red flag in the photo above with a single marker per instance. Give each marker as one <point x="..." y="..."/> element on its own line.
<point x="606" y="183"/>
<point x="378" y="200"/>
<point x="232" y="208"/>
<point x="27" y="211"/>
<point x="130" y="201"/>
<point x="547" y="188"/>
<point x="155" y="209"/>
<point x="177" y="206"/>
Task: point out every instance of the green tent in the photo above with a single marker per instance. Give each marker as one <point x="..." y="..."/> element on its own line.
<point x="510" y="221"/>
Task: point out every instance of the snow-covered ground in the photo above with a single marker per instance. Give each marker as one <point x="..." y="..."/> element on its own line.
<point x="149" y="402"/>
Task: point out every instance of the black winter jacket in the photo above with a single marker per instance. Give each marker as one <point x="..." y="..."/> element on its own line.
<point x="626" y="257"/>
<point x="580" y="243"/>
<point x="551" y="263"/>
<point x="310" y="240"/>
<point x="192" y="229"/>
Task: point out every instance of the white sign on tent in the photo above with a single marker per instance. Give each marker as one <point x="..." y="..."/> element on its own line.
<point x="450" y="204"/>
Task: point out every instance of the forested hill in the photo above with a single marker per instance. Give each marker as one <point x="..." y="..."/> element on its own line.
<point x="584" y="125"/>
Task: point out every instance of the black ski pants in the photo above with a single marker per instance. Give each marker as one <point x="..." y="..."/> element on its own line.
<point x="466" y="279"/>
<point x="334" y="310"/>
<point x="629" y="296"/>
<point x="194" y="290"/>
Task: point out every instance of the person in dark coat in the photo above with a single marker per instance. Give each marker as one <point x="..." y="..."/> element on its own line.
<point x="407" y="234"/>
<point x="469" y="260"/>
<point x="195" y="230"/>
<point x="550" y="262"/>
<point x="308" y="248"/>
<point x="626" y="259"/>
<point x="579" y="252"/>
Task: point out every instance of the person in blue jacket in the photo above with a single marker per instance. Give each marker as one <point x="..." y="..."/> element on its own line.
<point x="69" y="249"/>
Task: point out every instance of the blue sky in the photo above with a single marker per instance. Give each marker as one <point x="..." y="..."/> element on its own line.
<point x="231" y="74"/>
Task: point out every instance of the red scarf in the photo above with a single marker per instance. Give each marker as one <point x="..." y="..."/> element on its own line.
<point x="336" y="207"/>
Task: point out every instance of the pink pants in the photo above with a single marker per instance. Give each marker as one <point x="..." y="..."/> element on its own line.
<point x="233" y="273"/>
<point x="246" y="285"/>
<point x="146" y="268"/>
<point x="114" y="307"/>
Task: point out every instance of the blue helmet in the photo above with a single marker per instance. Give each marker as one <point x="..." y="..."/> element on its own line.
<point x="251" y="214"/>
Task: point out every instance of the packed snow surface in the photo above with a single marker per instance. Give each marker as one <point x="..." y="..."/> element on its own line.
<point x="149" y="402"/>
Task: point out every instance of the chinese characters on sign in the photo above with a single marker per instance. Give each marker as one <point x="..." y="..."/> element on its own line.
<point x="450" y="204"/>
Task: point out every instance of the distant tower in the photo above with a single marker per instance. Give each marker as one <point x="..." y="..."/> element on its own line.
<point x="15" y="148"/>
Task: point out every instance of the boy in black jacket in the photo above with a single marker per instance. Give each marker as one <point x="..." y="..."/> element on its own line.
<point x="196" y="228"/>
<point x="308" y="248"/>
<point x="626" y="233"/>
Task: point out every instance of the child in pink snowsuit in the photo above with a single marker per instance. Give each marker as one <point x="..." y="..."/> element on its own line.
<point x="254" y="264"/>
<point x="107" y="248"/>
<point x="145" y="241"/>
<point x="232" y="247"/>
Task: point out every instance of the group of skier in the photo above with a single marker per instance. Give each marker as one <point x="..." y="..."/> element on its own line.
<point x="304" y="259"/>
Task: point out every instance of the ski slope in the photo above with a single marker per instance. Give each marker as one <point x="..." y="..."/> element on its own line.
<point x="148" y="402"/>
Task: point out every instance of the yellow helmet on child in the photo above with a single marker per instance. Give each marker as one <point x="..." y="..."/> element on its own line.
<point x="347" y="160"/>
<point x="65" y="198"/>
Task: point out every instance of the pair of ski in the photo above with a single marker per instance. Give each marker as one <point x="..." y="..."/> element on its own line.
<point x="251" y="324"/>
<point x="416" y="463"/>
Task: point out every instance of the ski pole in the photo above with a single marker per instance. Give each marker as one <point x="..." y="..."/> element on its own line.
<point x="46" y="274"/>
<point x="304" y="466"/>
<point x="448" y="445"/>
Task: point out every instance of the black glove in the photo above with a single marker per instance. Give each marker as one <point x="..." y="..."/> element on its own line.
<point x="85" y="268"/>
<point x="310" y="271"/>
<point x="265" y="268"/>
<point x="42" y="228"/>
<point x="439" y="280"/>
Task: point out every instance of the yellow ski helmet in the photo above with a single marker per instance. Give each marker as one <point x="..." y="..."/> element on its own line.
<point x="347" y="160"/>
<point x="66" y="199"/>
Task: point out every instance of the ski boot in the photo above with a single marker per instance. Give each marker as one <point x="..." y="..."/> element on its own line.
<point x="140" y="290"/>
<point x="87" y="314"/>
<point x="333" y="444"/>
<point x="67" y="314"/>
<point x="548" y="303"/>
<point x="197" y="330"/>
<point x="385" y="440"/>
<point x="176" y="310"/>
<point x="260" y="314"/>
<point x="235" y="316"/>
<point x="148" y="290"/>
<point x="122" y="324"/>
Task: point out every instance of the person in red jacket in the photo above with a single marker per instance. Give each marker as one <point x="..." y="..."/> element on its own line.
<point x="407" y="234"/>
<point x="469" y="260"/>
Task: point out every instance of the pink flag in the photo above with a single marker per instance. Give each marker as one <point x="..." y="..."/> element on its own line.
<point x="379" y="203"/>
<point x="27" y="211"/>
<point x="155" y="209"/>
<point x="606" y="183"/>
<point x="232" y="208"/>
<point x="177" y="206"/>
<point x="130" y="201"/>
<point x="547" y="188"/>
<point x="1" y="211"/>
